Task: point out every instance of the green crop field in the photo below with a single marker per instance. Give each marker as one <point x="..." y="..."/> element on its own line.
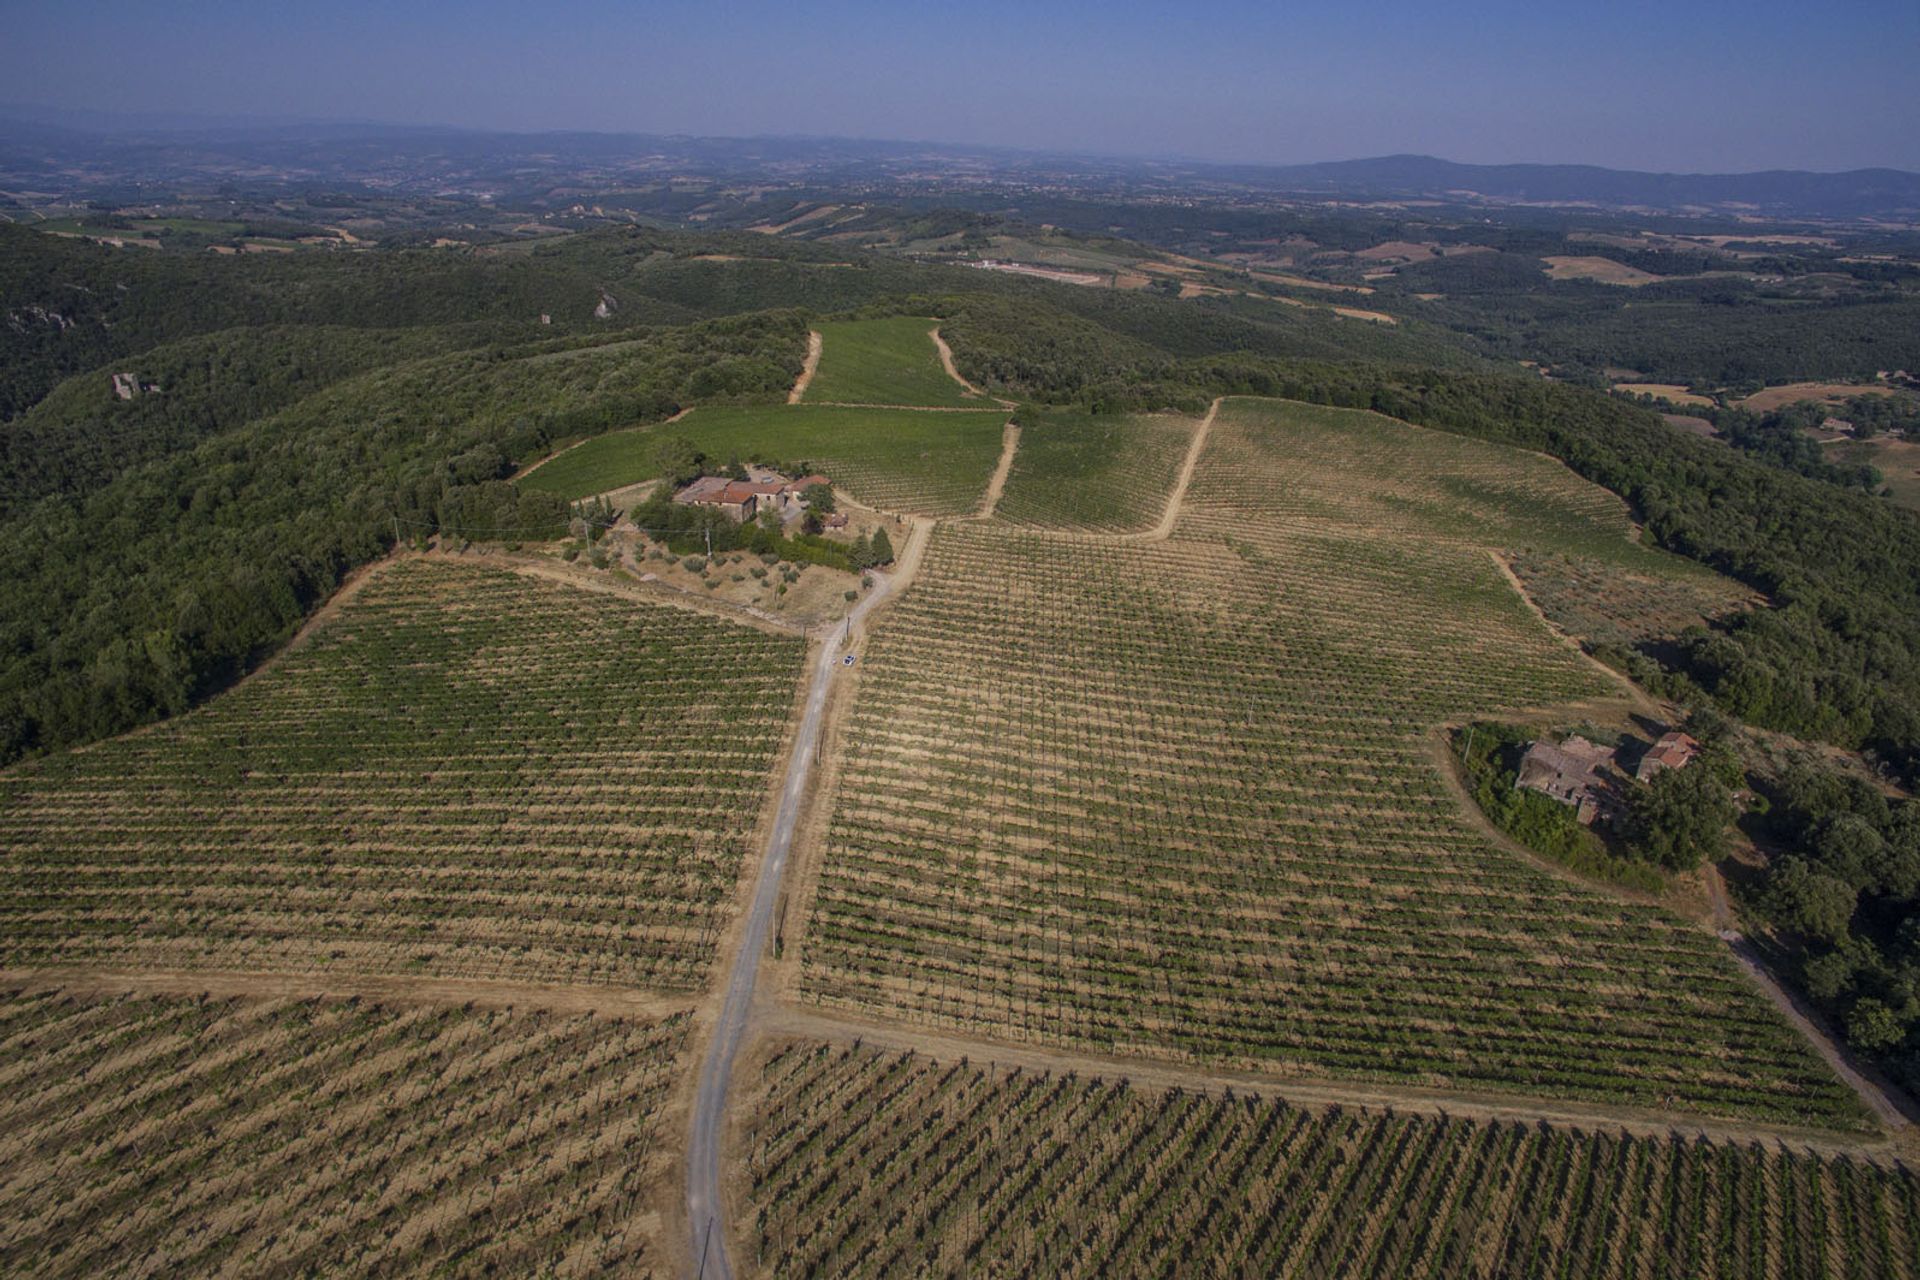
<point x="466" y="773"/>
<point x="891" y="361"/>
<point x="1183" y="799"/>
<point x="863" y="1162"/>
<point x="1101" y="473"/>
<point x="897" y="460"/>
<point x="197" y="1136"/>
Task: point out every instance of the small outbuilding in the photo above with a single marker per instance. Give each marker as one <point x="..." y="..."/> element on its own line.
<point x="1673" y="751"/>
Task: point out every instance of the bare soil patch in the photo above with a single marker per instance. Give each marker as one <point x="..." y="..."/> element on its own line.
<point x="814" y="345"/>
<point x="1372" y="317"/>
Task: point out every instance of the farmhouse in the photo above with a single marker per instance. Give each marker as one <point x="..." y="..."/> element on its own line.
<point x="762" y="490"/>
<point x="1573" y="772"/>
<point x="1672" y="751"/>
<point x="736" y="499"/>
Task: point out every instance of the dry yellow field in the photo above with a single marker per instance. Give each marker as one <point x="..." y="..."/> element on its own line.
<point x="1599" y="270"/>
<point x="1794" y="392"/>
<point x="1670" y="391"/>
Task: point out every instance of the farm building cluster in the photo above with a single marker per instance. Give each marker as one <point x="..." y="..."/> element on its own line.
<point x="1589" y="778"/>
<point x="762" y="491"/>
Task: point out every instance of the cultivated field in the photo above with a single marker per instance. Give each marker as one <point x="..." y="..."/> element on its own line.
<point x="898" y="460"/>
<point x="1604" y="603"/>
<point x="1181" y="799"/>
<point x="1102" y="473"/>
<point x="465" y="773"/>
<point x="194" y="1136"/>
<point x="862" y="1162"/>
<point x="1598" y="270"/>
<point x="1824" y="392"/>
<point x="891" y="361"/>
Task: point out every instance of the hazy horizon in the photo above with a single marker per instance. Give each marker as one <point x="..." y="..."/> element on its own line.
<point x="1700" y="88"/>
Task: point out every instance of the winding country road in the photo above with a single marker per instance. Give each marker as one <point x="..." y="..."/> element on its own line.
<point x="704" y="1217"/>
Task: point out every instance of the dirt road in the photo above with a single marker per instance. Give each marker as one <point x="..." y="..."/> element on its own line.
<point x="705" y="1207"/>
<point x="806" y="370"/>
<point x="1009" y="445"/>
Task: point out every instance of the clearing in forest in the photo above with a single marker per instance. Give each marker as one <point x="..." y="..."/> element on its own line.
<point x="1771" y="398"/>
<point x="464" y="773"/>
<point x="964" y="1167"/>
<point x="895" y="459"/>
<point x="1104" y="473"/>
<point x="1180" y="799"/>
<point x="1898" y="462"/>
<point x="195" y="1136"/>
<point x="891" y="361"/>
<point x="1598" y="270"/>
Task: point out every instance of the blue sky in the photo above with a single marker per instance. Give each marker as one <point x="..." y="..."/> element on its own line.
<point x="1685" y="86"/>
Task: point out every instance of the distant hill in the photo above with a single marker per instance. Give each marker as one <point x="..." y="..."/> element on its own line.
<point x="86" y="154"/>
<point x="1857" y="193"/>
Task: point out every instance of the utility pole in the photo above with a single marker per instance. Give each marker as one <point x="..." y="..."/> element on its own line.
<point x="396" y="531"/>
<point x="709" y="533"/>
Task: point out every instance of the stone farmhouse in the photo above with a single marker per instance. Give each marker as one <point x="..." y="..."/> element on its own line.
<point x="742" y="500"/>
<point x="1577" y="773"/>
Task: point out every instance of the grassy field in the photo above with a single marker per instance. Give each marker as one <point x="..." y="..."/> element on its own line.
<point x="863" y="1162"/>
<point x="898" y="460"/>
<point x="1107" y="473"/>
<point x="1897" y="460"/>
<point x="198" y="1136"/>
<point x="891" y="361"/>
<point x="1182" y="799"/>
<point x="466" y="773"/>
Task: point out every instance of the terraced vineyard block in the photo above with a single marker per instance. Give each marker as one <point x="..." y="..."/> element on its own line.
<point x="467" y="773"/>
<point x="194" y="1136"/>
<point x="1094" y="472"/>
<point x="863" y="1162"/>
<point x="1183" y="799"/>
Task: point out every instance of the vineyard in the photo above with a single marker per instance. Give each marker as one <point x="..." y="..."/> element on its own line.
<point x="865" y="1162"/>
<point x="1605" y="604"/>
<point x="1182" y="800"/>
<point x="196" y="1136"/>
<point x="1284" y="467"/>
<point x="890" y="361"/>
<point x="466" y="773"/>
<point x="895" y="459"/>
<point x="1099" y="473"/>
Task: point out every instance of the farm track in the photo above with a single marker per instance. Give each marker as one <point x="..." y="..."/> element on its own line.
<point x="1641" y="701"/>
<point x="537" y="463"/>
<point x="706" y="1222"/>
<point x="953" y="371"/>
<point x="841" y="1028"/>
<point x="997" y="485"/>
<point x="814" y="346"/>
<point x="1887" y="1104"/>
